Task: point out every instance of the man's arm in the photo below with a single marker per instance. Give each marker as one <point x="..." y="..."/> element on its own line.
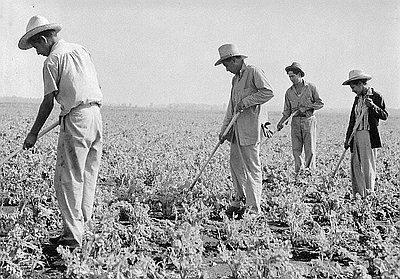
<point x="227" y="119"/>
<point x="287" y="111"/>
<point x="317" y="104"/>
<point x="264" y="91"/>
<point x="350" y="126"/>
<point x="377" y="106"/>
<point x="44" y="111"/>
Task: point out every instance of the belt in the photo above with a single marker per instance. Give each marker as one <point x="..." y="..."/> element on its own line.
<point x="88" y="105"/>
<point x="61" y="119"/>
<point x="302" y="116"/>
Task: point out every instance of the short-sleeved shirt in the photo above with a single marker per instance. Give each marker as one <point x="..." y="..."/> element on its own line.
<point x="69" y="70"/>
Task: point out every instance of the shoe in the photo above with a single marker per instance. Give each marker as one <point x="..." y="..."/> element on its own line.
<point x="235" y="212"/>
<point x="253" y="213"/>
<point x="71" y="243"/>
<point x="54" y="240"/>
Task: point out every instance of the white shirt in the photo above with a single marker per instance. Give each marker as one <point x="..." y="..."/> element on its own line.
<point x="69" y="70"/>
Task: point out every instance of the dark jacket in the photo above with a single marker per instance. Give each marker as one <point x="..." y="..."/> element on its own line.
<point x="374" y="114"/>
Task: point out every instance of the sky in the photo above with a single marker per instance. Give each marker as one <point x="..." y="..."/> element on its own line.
<point x="160" y="52"/>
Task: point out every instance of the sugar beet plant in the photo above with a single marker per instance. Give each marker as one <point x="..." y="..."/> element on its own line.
<point x="148" y="225"/>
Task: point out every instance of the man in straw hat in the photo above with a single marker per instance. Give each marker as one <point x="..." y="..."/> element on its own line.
<point x="70" y="78"/>
<point x="368" y="108"/>
<point x="250" y="90"/>
<point x="301" y="100"/>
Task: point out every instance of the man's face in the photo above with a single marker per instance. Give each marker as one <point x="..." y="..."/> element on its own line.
<point x="41" y="48"/>
<point x="357" y="88"/>
<point x="295" y="78"/>
<point x="232" y="65"/>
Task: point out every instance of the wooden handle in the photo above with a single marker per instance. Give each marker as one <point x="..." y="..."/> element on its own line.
<point x="215" y="149"/>
<point x="358" y="121"/>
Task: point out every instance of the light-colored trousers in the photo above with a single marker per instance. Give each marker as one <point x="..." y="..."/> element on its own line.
<point x="363" y="164"/>
<point x="304" y="135"/>
<point x="246" y="174"/>
<point x="78" y="161"/>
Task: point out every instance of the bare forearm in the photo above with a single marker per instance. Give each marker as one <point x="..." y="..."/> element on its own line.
<point x="44" y="111"/>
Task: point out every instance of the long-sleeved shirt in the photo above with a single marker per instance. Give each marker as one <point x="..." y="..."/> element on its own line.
<point x="252" y="88"/>
<point x="308" y="97"/>
<point x="375" y="113"/>
<point x="359" y="108"/>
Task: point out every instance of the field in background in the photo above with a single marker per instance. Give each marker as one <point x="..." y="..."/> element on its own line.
<point x="148" y="225"/>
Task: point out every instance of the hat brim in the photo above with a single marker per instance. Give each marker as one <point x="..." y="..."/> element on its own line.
<point x="291" y="68"/>
<point x="363" y="77"/>
<point x="23" y="42"/>
<point x="227" y="57"/>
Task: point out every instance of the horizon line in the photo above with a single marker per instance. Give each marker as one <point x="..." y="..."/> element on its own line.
<point x="34" y="100"/>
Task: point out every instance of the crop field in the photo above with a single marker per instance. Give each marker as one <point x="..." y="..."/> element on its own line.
<point x="148" y="224"/>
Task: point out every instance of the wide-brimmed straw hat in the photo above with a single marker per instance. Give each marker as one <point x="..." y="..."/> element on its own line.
<point x="297" y="67"/>
<point x="357" y="75"/>
<point x="36" y="25"/>
<point x="227" y="51"/>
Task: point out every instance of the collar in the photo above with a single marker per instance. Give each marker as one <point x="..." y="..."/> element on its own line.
<point x="242" y="70"/>
<point x="305" y="84"/>
<point x="56" y="44"/>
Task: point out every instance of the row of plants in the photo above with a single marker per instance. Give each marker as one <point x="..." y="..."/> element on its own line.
<point x="147" y="224"/>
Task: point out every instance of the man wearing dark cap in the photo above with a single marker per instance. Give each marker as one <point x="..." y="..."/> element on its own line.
<point x="362" y="133"/>
<point x="250" y="90"/>
<point x="301" y="100"/>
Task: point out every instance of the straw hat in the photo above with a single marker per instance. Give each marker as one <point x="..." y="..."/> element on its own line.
<point x="297" y="67"/>
<point x="356" y="75"/>
<point x="36" y="25"/>
<point x="227" y="51"/>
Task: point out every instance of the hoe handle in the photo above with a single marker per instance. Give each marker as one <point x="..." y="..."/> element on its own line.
<point x="338" y="164"/>
<point x="42" y="133"/>
<point x="276" y="131"/>
<point x="214" y="150"/>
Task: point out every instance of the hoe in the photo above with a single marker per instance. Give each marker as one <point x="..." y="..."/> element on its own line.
<point x="267" y="133"/>
<point x="42" y="133"/>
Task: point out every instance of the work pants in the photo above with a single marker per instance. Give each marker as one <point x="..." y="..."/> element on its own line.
<point x="304" y="135"/>
<point x="246" y="174"/>
<point x="78" y="161"/>
<point x="363" y="164"/>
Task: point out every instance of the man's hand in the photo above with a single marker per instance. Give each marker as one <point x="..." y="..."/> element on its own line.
<point x="221" y="137"/>
<point x="279" y="126"/>
<point x="346" y="144"/>
<point x="302" y="109"/>
<point x="29" y="141"/>
<point x="369" y="103"/>
<point x="240" y="106"/>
